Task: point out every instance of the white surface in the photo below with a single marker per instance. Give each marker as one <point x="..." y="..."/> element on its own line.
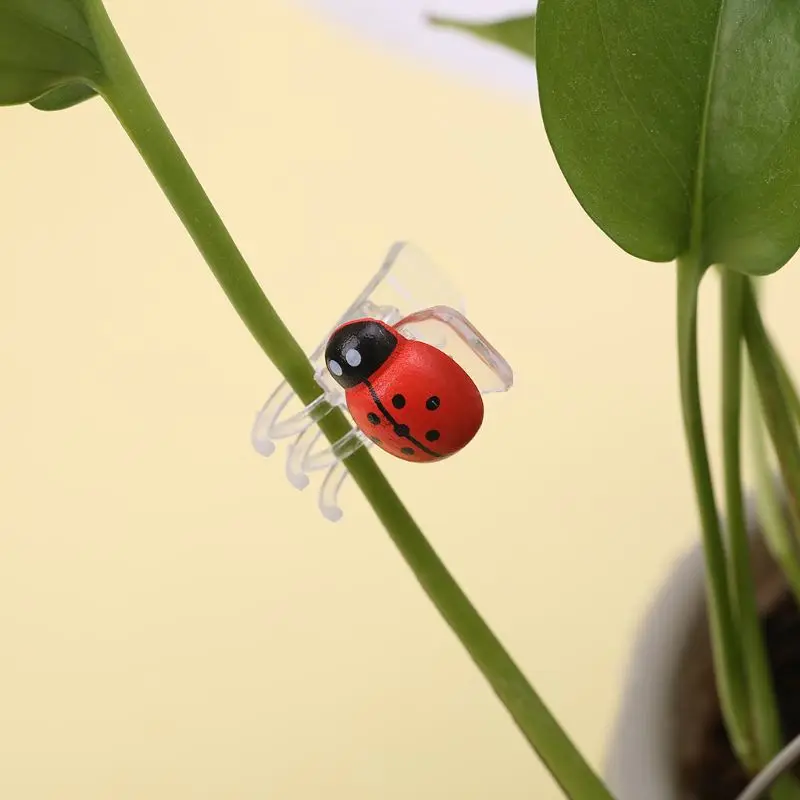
<point x="640" y="758"/>
<point x="401" y="25"/>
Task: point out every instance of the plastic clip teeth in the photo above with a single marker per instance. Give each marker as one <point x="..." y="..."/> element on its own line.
<point x="408" y="291"/>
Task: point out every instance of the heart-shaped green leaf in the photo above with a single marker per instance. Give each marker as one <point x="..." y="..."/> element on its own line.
<point x="515" y="33"/>
<point x="677" y="124"/>
<point x="47" y="54"/>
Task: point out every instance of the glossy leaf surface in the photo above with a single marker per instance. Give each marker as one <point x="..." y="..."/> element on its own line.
<point x="514" y="33"/>
<point x="47" y="55"/>
<point x="677" y="123"/>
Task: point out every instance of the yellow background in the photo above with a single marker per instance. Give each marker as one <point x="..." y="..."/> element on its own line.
<point x="178" y="622"/>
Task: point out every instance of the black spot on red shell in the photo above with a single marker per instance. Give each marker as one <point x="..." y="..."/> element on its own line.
<point x="432" y="403"/>
<point x="402" y="430"/>
<point x="373" y="418"/>
<point x="432" y="435"/>
<point x="409" y="451"/>
<point x="398" y="401"/>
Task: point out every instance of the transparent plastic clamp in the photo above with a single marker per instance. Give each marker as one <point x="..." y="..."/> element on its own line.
<point x="410" y="293"/>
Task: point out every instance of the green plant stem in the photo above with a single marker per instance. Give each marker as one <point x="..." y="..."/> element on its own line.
<point x="787" y="384"/>
<point x="792" y="400"/>
<point x="762" y="703"/>
<point x="777" y="414"/>
<point x="781" y="540"/>
<point x="724" y="640"/>
<point x="739" y="573"/>
<point x="128" y="98"/>
<point x="771" y="515"/>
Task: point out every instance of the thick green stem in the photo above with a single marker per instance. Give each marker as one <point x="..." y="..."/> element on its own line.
<point x="125" y="93"/>
<point x="766" y="729"/>
<point x="725" y="642"/>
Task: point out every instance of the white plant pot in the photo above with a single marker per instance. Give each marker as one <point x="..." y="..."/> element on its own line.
<point x="642" y="758"/>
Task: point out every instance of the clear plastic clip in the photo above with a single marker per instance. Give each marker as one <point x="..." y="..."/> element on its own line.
<point x="411" y="294"/>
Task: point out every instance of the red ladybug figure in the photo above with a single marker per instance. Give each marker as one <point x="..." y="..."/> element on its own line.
<point x="409" y="397"/>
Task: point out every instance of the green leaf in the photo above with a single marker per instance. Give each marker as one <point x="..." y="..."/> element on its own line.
<point x="677" y="124"/>
<point x="64" y="97"/>
<point x="47" y="54"/>
<point x="514" y="33"/>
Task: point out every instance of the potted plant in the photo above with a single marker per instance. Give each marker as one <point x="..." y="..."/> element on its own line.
<point x="674" y="125"/>
<point x="709" y="700"/>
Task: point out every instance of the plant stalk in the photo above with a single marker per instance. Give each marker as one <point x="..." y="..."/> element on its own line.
<point x="130" y="101"/>
<point x="787" y="384"/>
<point x="725" y="643"/>
<point x="780" y="539"/>
<point x="792" y="400"/>
<point x="774" y="403"/>
<point x="763" y="707"/>
<point x="771" y="514"/>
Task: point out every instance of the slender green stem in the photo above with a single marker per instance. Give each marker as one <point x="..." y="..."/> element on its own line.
<point x="725" y="642"/>
<point x="777" y="414"/>
<point x="125" y="93"/>
<point x="787" y="384"/>
<point x="765" y="721"/>
<point x="792" y="399"/>
<point x="739" y="572"/>
<point x="771" y="514"/>
<point x="781" y="540"/>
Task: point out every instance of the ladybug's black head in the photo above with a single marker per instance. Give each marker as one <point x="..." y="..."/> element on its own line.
<point x="357" y="350"/>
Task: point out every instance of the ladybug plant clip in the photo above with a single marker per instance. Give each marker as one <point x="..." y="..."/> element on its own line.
<point x="405" y="365"/>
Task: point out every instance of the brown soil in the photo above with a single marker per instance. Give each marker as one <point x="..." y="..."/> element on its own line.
<point x="707" y="767"/>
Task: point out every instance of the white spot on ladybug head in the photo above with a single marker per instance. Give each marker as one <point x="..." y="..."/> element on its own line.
<point x="335" y="367"/>
<point x="352" y="357"/>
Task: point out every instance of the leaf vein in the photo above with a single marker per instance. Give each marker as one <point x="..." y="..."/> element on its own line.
<point x="53" y="31"/>
<point x="696" y="232"/>
<point x="630" y="104"/>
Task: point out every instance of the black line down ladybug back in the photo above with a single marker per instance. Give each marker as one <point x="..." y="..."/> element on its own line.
<point x="410" y="398"/>
<point x="410" y="367"/>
